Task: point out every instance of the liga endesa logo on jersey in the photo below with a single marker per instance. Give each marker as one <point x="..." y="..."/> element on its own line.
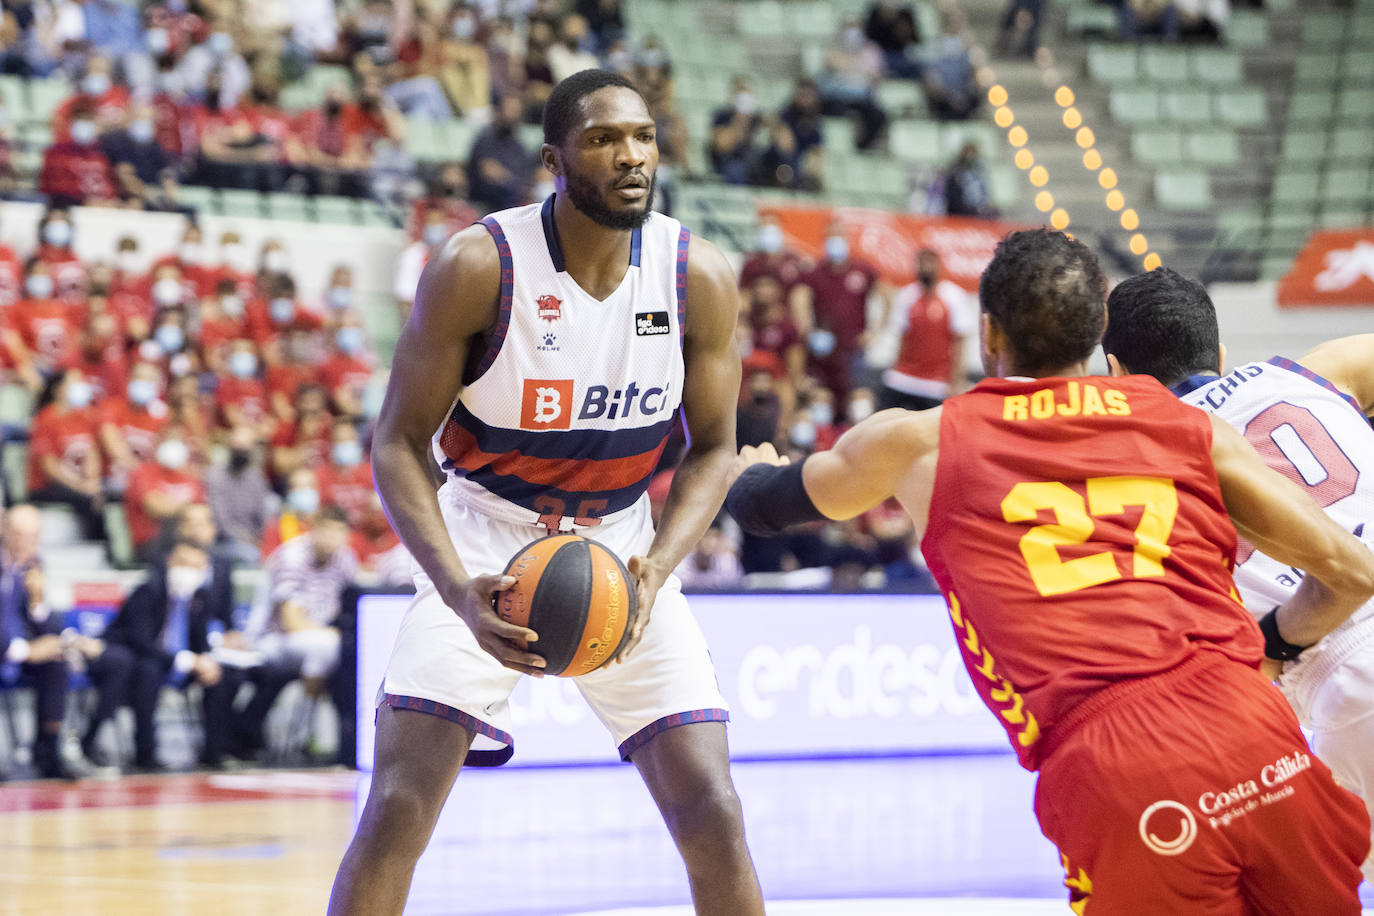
<point x="550" y="403"/>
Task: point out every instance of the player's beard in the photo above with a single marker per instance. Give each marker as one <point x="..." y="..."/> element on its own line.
<point x="591" y="201"/>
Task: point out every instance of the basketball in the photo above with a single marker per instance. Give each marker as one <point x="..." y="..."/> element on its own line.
<point x="576" y="595"/>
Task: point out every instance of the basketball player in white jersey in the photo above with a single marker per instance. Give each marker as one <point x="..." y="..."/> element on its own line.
<point x="1308" y="419"/>
<point x="550" y="350"/>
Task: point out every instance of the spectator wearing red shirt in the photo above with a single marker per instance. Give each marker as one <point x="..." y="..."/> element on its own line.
<point x="930" y="362"/>
<point x="172" y="29"/>
<point x="840" y="288"/>
<point x="157" y="490"/>
<point x="193" y="413"/>
<point x="103" y="356"/>
<point x="129" y="289"/>
<point x="782" y="265"/>
<point x="241" y="397"/>
<point x="282" y="315"/>
<point x="297" y="512"/>
<point x="47" y="329"/>
<point x="330" y="146"/>
<point x="242" y="147"/>
<point x="11" y="276"/>
<point x="173" y="125"/>
<point x="431" y="232"/>
<point x="346" y="478"/>
<point x="132" y="423"/>
<point x="235" y="264"/>
<point x="348" y="369"/>
<point x="97" y="98"/>
<point x="773" y="327"/>
<point x="64" y="457"/>
<point x="307" y="441"/>
<point x="338" y="299"/>
<point x="274" y="262"/>
<point x="76" y="171"/>
<point x="55" y="250"/>
<point x="372" y="538"/>
<point x="222" y="322"/>
<point x="191" y="262"/>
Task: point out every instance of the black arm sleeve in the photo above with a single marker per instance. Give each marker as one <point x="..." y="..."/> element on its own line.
<point x="767" y="499"/>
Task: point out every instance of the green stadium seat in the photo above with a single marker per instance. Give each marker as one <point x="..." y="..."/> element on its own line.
<point x="288" y="206"/>
<point x="762" y="19"/>
<point x="329" y="76"/>
<point x="36" y="135"/>
<point x="955" y="134"/>
<point x="1355" y="105"/>
<point x="300" y="95"/>
<point x="1343" y="219"/>
<point x="1161" y="64"/>
<point x="1304" y="146"/>
<point x="1315" y="69"/>
<point x="1215" y="148"/>
<point x="1346" y="185"/>
<point x="15" y="95"/>
<point x="1091" y="20"/>
<point x="1275" y="268"/>
<point x="44" y="96"/>
<point x="1295" y="186"/>
<point x="1245" y="29"/>
<point x="915" y="141"/>
<point x="376" y="214"/>
<point x="121" y="540"/>
<point x="1242" y="107"/>
<point x="1358" y="65"/>
<point x="1005" y="186"/>
<point x="1311" y="106"/>
<point x="1187" y="106"/>
<point x="1157" y="147"/>
<point x="16" y="405"/>
<point x="14" y="459"/>
<point x="1361" y="29"/>
<point x="1353" y="144"/>
<point x="1240" y="227"/>
<point x="1183" y="189"/>
<point x="901" y="98"/>
<point x="1216" y="66"/>
<point x="240" y="203"/>
<point x="203" y="199"/>
<point x="1323" y="27"/>
<point x="531" y="138"/>
<point x="1134" y="106"/>
<point x="1114" y="65"/>
<point x="336" y="209"/>
<point x="838" y="133"/>
<point x="814" y="20"/>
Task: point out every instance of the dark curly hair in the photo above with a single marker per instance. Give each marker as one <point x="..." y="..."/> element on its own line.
<point x="1163" y="324"/>
<point x="563" y="106"/>
<point x="1045" y="292"/>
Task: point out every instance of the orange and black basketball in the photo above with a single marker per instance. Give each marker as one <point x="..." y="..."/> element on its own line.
<point x="576" y="595"/>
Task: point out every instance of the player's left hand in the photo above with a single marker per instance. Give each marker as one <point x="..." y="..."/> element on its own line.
<point x="649" y="578"/>
<point x="754" y="454"/>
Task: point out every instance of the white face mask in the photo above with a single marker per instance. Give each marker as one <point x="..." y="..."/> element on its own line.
<point x="83" y="132"/>
<point x="184" y="581"/>
<point x="803" y="434"/>
<point x="770" y="239"/>
<point x="237" y="257"/>
<point x="744" y="103"/>
<point x="127" y="262"/>
<point x="860" y="409"/>
<point x="141" y="130"/>
<point x="173" y="454"/>
<point x="167" y="291"/>
<point x="276" y="261"/>
<point x="38" y="286"/>
<point x="58" y="232"/>
<point x="95" y="84"/>
<point x="192" y="253"/>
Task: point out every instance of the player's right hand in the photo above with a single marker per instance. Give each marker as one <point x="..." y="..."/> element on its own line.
<point x="501" y="639"/>
<point x="754" y="454"/>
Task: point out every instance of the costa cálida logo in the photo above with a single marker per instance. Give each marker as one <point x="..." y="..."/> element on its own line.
<point x="550" y="308"/>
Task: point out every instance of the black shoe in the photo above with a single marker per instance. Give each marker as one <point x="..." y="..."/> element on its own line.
<point x="51" y="765"/>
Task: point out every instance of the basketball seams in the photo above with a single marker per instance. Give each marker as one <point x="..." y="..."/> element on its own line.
<point x="559" y="606"/>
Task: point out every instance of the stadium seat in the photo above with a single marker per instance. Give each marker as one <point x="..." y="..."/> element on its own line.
<point x="1216" y="66"/>
<point x="901" y="98"/>
<point x="336" y="209"/>
<point x="1005" y="186"/>
<point x="914" y="141"/>
<point x="1347" y="185"/>
<point x="1247" y="29"/>
<point x="1187" y="106"/>
<point x="1358" y="65"/>
<point x="1160" y="64"/>
<point x="16" y="405"/>
<point x="954" y="135"/>
<point x="1303" y="146"/>
<point x="1342" y="219"/>
<point x="14" y="460"/>
<point x="838" y="134"/>
<point x="762" y="19"/>
<point x="1353" y="144"/>
<point x="1183" y="189"/>
<point x="1090" y="20"/>
<point x="1292" y="186"/>
<point x="117" y="533"/>
<point x="1113" y="65"/>
<point x="1316" y="68"/>
<point x="1311" y="106"/>
<point x="240" y="203"/>
<point x="44" y="96"/>
<point x="288" y="206"/>
<point x="1242" y="107"/>
<point x="813" y="20"/>
<point x="203" y="199"/>
<point x="1216" y="148"/>
<point x="1356" y="105"/>
<point x="1323" y="27"/>
<point x="1134" y="106"/>
<point x="15" y="95"/>
<point x="1157" y="147"/>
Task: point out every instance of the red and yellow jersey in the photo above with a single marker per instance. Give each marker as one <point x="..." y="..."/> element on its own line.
<point x="1078" y="533"/>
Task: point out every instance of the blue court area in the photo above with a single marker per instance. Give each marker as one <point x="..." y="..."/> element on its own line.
<point x="920" y="836"/>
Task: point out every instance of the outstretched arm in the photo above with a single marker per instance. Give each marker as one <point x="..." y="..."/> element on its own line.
<point x="1281" y="520"/>
<point x="709" y="396"/>
<point x="456" y="301"/>
<point x="1347" y="363"/>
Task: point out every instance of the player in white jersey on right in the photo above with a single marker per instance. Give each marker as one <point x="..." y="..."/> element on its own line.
<point x="1309" y="421"/>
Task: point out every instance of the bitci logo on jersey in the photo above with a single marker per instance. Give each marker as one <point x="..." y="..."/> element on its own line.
<point x="546" y="404"/>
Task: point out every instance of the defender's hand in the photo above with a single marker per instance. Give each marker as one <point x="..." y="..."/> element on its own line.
<point x="474" y="602"/>
<point x="649" y="577"/>
<point x="754" y="454"/>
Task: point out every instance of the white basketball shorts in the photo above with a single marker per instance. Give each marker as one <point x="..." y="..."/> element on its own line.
<point x="437" y="667"/>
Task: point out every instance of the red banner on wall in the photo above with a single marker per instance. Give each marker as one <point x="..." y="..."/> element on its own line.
<point x="889" y="241"/>
<point x="1334" y="268"/>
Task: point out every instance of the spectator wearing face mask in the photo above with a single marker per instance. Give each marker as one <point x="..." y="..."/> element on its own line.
<point x="233" y="263"/>
<point x="937" y="319"/>
<point x="298" y="364"/>
<point x="734" y="131"/>
<point x="772" y="327"/>
<point x="379" y="551"/>
<point x="338" y="298"/>
<point x="103" y="355"/>
<point x="840" y="287"/>
<point x="329" y="147"/>
<point x="192" y="412"/>
<point x="346" y="478"/>
<point x="131" y="426"/>
<point x="171" y="28"/>
<point x="76" y="171"/>
<point x="158" y="489"/>
<point x="97" y="99"/>
<point x="192" y="262"/>
<point x="222" y="321"/>
<point x="161" y="635"/>
<point x="297" y="511"/>
<point x="853" y="68"/>
<point x="11" y="276"/>
<point x="55" y="235"/>
<point x="271" y="321"/>
<point x="214" y="71"/>
<point x="573" y="51"/>
<point x="241" y="396"/>
<point x="238" y="492"/>
<point x="274" y="262"/>
<point x="304" y="440"/>
<point x="965" y="186"/>
<point x="499" y="166"/>
<point x="428" y="233"/>
<point x="64" y="456"/>
<point x="712" y="564"/>
<point x="41" y="328"/>
<point x="465" y="73"/>
<point x="347" y="370"/>
<point x="952" y="92"/>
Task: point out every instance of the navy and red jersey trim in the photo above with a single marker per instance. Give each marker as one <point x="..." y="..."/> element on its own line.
<point x="581" y="444"/>
<point x="538" y="497"/>
<point x="555" y="244"/>
<point x="498" y="332"/>
<point x="1285" y="363"/>
<point x="684" y="238"/>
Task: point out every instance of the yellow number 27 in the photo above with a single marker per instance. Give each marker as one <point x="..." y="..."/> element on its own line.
<point x="1073" y="524"/>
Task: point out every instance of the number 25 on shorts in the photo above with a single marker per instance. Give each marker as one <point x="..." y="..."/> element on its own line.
<point x="1074" y="524"/>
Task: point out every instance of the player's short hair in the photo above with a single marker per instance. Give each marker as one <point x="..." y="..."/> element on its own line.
<point x="1163" y="324"/>
<point x="1045" y="291"/>
<point x="564" y="104"/>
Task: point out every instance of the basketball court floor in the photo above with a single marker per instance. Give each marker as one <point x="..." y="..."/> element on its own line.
<point x="927" y="836"/>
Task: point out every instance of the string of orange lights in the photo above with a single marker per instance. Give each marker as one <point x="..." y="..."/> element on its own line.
<point x="1018" y="137"/>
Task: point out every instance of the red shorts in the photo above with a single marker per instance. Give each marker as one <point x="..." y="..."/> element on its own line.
<point x="1194" y="792"/>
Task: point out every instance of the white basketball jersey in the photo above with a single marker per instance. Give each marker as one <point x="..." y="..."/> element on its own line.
<point x="564" y="416"/>
<point x="1311" y="433"/>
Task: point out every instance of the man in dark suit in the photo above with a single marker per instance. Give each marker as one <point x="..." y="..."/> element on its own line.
<point x="31" y="641"/>
<point x="161" y="635"/>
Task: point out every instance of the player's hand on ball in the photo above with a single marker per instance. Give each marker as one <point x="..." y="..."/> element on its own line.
<point x="649" y="577"/>
<point x="499" y="638"/>
<point x="754" y="454"/>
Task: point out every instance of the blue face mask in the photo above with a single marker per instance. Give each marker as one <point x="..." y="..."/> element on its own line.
<point x="339" y="297"/>
<point x="142" y="391"/>
<point x="38" y="286"/>
<point x="435" y="233"/>
<point x="347" y="454"/>
<point x="770" y="239"/>
<point x="58" y="233"/>
<point x="303" y="500"/>
<point x="283" y="310"/>
<point x="79" y="394"/>
<point x="243" y="364"/>
<point x="141" y="130"/>
<point x="836" y="249"/>
<point x="349" y="339"/>
<point x="170" y="338"/>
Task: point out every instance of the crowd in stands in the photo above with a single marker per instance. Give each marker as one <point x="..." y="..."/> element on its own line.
<point x="224" y="412"/>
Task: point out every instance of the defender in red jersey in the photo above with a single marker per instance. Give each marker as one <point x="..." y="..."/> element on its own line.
<point x="1077" y="527"/>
